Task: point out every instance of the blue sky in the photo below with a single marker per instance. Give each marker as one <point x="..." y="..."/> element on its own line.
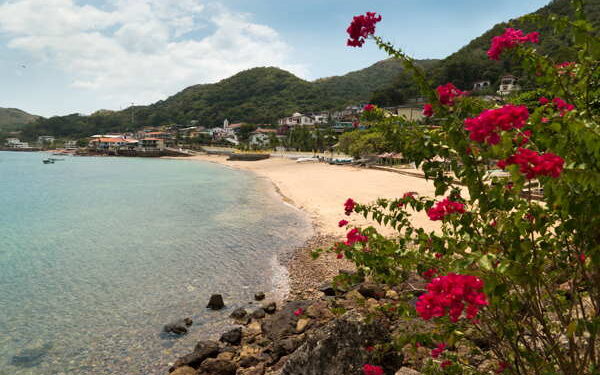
<point x="66" y="56"/>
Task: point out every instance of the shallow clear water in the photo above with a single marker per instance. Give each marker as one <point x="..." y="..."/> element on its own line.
<point x="97" y="254"/>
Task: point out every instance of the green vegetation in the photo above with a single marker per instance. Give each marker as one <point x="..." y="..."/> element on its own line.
<point x="13" y="119"/>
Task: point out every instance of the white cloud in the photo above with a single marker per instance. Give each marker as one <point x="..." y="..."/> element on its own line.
<point x="141" y="50"/>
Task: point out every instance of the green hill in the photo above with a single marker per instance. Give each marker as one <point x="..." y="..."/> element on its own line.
<point x="471" y="63"/>
<point x="12" y="118"/>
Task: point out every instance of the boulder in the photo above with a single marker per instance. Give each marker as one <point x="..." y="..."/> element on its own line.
<point x="258" y="313"/>
<point x="270" y="307"/>
<point x="327" y="289"/>
<point x="202" y="351"/>
<point x="248" y="361"/>
<point x="336" y="348"/>
<point x="257" y="370"/>
<point x="238" y="313"/>
<point x="259" y="296"/>
<point x="283" y="323"/>
<point x="302" y="324"/>
<point x="185" y="370"/>
<point x="216" y="302"/>
<point x="371" y="290"/>
<point x="213" y="366"/>
<point x="233" y="337"/>
<point x="178" y="327"/>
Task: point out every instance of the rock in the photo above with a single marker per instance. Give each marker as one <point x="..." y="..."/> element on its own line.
<point x="32" y="355"/>
<point x="302" y="325"/>
<point x="407" y="371"/>
<point x="233" y="337"/>
<point x="258" y="313"/>
<point x="248" y="350"/>
<point x="248" y="361"/>
<point x="216" y="302"/>
<point x="253" y="328"/>
<point x="178" y="327"/>
<point x="391" y="294"/>
<point x="185" y="370"/>
<point x="270" y="307"/>
<point x="319" y="310"/>
<point x="283" y="322"/>
<point x="257" y="370"/>
<point x="202" y="351"/>
<point x="327" y="289"/>
<point x="226" y="356"/>
<point x="336" y="348"/>
<point x="213" y="366"/>
<point x="354" y="295"/>
<point x="370" y="290"/>
<point x="238" y="313"/>
<point x="259" y="296"/>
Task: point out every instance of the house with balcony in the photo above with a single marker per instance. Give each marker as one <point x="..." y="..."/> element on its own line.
<point x="508" y="85"/>
<point x="16" y="143"/>
<point x="151" y="144"/>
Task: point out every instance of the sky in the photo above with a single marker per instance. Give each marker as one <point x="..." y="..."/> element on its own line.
<point x="77" y="56"/>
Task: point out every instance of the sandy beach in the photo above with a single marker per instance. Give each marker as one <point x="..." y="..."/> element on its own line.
<point x="321" y="189"/>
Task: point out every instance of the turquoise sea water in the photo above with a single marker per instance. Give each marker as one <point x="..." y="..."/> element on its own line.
<point x="97" y="254"/>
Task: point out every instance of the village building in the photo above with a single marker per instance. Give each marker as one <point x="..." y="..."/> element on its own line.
<point x="109" y="144"/>
<point x="481" y="85"/>
<point x="261" y="137"/>
<point x="16" y="143"/>
<point x="508" y="85"/>
<point x="151" y="144"/>
<point x="45" y="139"/>
<point x="70" y="145"/>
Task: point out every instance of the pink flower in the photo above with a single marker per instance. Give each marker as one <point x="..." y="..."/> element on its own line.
<point x="545" y="120"/>
<point x="533" y="164"/>
<point x="355" y="236"/>
<point x="562" y="106"/>
<point x="487" y="126"/>
<point x="361" y="27"/>
<point x="342" y="223"/>
<point x="406" y="197"/>
<point x="510" y="39"/>
<point x="372" y="370"/>
<point x="445" y="208"/>
<point x="447" y="93"/>
<point x="339" y="256"/>
<point x="439" y="349"/>
<point x="544" y="100"/>
<point x="438" y="255"/>
<point x="430" y="273"/>
<point x="298" y="312"/>
<point x="452" y="295"/>
<point x="368" y="108"/>
<point x="427" y="110"/>
<point x="349" y="206"/>
<point x="501" y="367"/>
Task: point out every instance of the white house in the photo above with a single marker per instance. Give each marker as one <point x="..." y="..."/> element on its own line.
<point x="260" y="137"/>
<point x="508" y="85"/>
<point x="481" y="85"/>
<point x="297" y="119"/>
<point x="151" y="144"/>
<point x="45" y="139"/>
<point x="16" y="143"/>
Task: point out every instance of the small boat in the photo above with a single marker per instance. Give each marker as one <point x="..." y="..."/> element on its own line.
<point x="48" y="161"/>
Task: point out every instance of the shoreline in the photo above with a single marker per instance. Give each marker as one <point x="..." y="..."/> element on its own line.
<point x="319" y="191"/>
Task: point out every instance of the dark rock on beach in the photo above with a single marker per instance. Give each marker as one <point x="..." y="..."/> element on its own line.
<point x="233" y="337"/>
<point x="258" y="313"/>
<point x="259" y="296"/>
<point x="238" y="313"/>
<point x="216" y="302"/>
<point x="202" y="351"/>
<point x="178" y="327"/>
<point x="270" y="307"/>
<point x="215" y="366"/>
<point x="371" y="290"/>
<point x="283" y="322"/>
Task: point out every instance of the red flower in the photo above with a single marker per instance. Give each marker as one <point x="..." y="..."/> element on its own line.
<point x="562" y="106"/>
<point x="532" y="164"/>
<point x="445" y="364"/>
<point x="447" y="93"/>
<point x="355" y="236"/>
<point x="342" y="223"/>
<point x="368" y="108"/>
<point x="372" y="370"/>
<point x="430" y="273"/>
<point x="427" y="110"/>
<point x="452" y="295"/>
<point x="361" y="27"/>
<point x="445" y="208"/>
<point x="349" y="206"/>
<point x="508" y="40"/>
<point x="369" y="348"/>
<point x="544" y="100"/>
<point x="438" y="255"/>
<point x="545" y="120"/>
<point x="439" y="349"/>
<point x="487" y="126"/>
<point x="339" y="256"/>
<point x="501" y="367"/>
<point x="582" y="257"/>
<point x="298" y="312"/>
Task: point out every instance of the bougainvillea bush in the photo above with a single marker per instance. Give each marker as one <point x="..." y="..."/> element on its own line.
<point x="518" y="197"/>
